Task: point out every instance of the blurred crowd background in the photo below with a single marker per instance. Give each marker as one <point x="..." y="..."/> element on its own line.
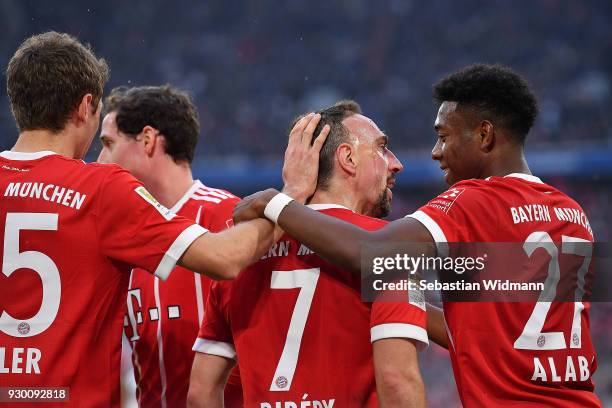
<point x="253" y="65"/>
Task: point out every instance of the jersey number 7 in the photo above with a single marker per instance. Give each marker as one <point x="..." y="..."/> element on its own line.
<point x="306" y="280"/>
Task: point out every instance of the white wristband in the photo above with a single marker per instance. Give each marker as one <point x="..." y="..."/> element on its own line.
<point x="276" y="205"/>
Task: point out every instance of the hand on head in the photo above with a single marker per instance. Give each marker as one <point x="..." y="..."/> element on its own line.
<point x="301" y="165"/>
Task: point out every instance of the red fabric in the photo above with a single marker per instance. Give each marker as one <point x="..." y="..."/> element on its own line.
<point x="166" y="376"/>
<point x="334" y="361"/>
<point x="93" y="247"/>
<point x="489" y="370"/>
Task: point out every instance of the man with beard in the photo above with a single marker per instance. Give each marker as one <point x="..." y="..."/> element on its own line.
<point x="506" y="353"/>
<point x="296" y="323"/>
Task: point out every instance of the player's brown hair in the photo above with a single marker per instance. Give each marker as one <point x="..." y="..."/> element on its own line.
<point x="48" y="76"/>
<point x="338" y="134"/>
<point x="167" y="109"/>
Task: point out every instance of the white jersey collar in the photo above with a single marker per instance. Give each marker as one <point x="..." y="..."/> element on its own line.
<point x="7" y="154"/>
<point x="319" y="207"/>
<point x="527" y="177"/>
<point x="179" y="204"/>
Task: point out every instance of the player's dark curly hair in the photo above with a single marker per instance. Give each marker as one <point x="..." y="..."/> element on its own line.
<point x="167" y="109"/>
<point x="338" y="134"/>
<point x="496" y="93"/>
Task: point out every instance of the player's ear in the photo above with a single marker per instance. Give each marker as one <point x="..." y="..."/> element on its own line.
<point x="487" y="136"/>
<point x="84" y="107"/>
<point x="149" y="139"/>
<point x="345" y="156"/>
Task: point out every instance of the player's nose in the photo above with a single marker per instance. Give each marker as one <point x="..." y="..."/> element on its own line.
<point x="395" y="165"/>
<point x="436" y="152"/>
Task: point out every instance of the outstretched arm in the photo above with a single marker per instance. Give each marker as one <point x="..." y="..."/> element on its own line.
<point x="337" y="241"/>
<point x="223" y="255"/>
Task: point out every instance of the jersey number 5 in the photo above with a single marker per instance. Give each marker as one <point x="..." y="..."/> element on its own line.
<point x="532" y="337"/>
<point x="306" y="280"/>
<point x="40" y="263"/>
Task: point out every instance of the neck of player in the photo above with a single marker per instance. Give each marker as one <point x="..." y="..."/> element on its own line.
<point x="339" y="196"/>
<point x="31" y="141"/>
<point x="170" y="183"/>
<point x="512" y="160"/>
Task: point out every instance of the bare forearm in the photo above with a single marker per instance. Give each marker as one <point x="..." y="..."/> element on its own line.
<point x="223" y="255"/>
<point x="436" y="328"/>
<point x="398" y="378"/>
<point x="405" y="393"/>
<point x="208" y="378"/>
<point x="205" y="400"/>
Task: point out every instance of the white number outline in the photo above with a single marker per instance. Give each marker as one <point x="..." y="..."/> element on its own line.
<point x="306" y="280"/>
<point x="40" y="263"/>
<point x="532" y="337"/>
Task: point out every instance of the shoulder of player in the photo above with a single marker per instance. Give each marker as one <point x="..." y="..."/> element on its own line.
<point x="469" y="195"/>
<point x="477" y="188"/>
<point x="211" y="197"/>
<point x="103" y="173"/>
<point x="466" y="189"/>
<point x="360" y="220"/>
<point x="103" y="168"/>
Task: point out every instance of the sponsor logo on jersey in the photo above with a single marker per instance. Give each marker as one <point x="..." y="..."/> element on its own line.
<point x="446" y="200"/>
<point x="166" y="213"/>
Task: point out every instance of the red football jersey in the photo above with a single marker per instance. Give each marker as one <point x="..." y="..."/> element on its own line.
<point x="518" y="353"/>
<point x="164" y="317"/>
<point x="299" y="329"/>
<point x="70" y="234"/>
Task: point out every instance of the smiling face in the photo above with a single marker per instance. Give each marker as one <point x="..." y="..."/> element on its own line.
<point x="377" y="166"/>
<point x="457" y="146"/>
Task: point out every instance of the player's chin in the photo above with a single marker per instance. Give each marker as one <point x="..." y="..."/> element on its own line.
<point x="449" y="178"/>
<point x="383" y="208"/>
<point x="389" y="194"/>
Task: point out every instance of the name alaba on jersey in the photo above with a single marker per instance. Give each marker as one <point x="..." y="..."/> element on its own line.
<point x="518" y="353"/>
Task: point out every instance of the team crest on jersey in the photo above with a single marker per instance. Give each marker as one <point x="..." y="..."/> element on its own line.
<point x="541" y="341"/>
<point x="281" y="382"/>
<point x="166" y="213"/>
<point x="446" y="200"/>
<point x="23" y="328"/>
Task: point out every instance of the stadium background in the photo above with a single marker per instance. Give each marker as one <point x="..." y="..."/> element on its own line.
<point x="253" y="65"/>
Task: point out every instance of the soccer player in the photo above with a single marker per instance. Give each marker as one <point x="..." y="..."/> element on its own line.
<point x="520" y="354"/>
<point x="71" y="232"/>
<point x="152" y="132"/>
<point x="296" y="323"/>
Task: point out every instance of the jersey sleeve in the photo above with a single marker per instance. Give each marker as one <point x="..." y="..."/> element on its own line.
<point x="133" y="227"/>
<point x="215" y="336"/>
<point x="221" y="216"/>
<point x="450" y="217"/>
<point x="399" y="320"/>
